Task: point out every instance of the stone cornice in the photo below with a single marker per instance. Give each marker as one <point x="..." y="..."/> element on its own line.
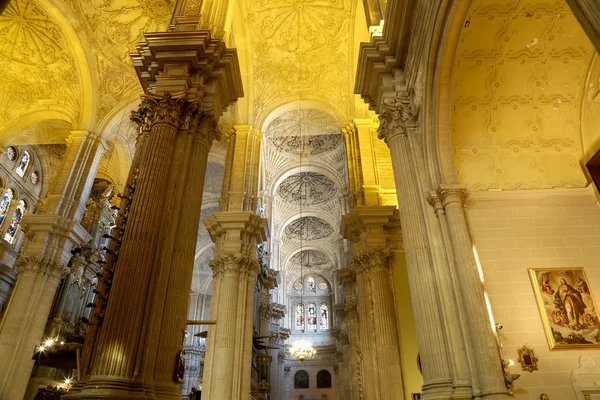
<point x="192" y="62"/>
<point x="379" y="58"/>
<point x="372" y="227"/>
<point x="561" y="197"/>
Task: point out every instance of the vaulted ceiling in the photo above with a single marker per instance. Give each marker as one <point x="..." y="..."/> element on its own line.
<point x="517" y="89"/>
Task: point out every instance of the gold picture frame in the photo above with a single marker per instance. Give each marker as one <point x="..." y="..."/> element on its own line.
<point x="567" y="307"/>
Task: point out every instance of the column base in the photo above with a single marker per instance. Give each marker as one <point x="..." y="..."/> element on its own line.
<point x="123" y="389"/>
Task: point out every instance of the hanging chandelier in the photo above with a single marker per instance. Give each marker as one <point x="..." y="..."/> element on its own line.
<point x="301" y="349"/>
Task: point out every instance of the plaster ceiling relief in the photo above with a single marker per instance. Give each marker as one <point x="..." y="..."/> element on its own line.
<point x="590" y="124"/>
<point x="308" y="228"/>
<point x="37" y="65"/>
<point x="300" y="47"/>
<point x="517" y="87"/>
<point x="304" y="131"/>
<point x="307" y="188"/>
<point x="310" y="259"/>
<point x="115" y="26"/>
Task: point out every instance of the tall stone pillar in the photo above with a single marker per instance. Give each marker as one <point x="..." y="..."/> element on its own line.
<point x="228" y="363"/>
<point x="449" y="368"/>
<point x="481" y="334"/>
<point x="52" y="232"/>
<point x="236" y="231"/>
<point x="189" y="79"/>
<point x="375" y="231"/>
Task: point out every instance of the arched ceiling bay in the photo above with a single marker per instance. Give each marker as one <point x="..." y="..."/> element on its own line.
<point x="304" y="131"/>
<point x="517" y="89"/>
<point x="38" y="65"/>
<point x="307" y="188"/>
<point x="308" y="228"/>
<point x="301" y="49"/>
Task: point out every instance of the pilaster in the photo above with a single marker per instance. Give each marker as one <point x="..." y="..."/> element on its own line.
<point x="374" y="232"/>
<point x="228" y="360"/>
<point x="52" y="232"/>
<point x="481" y="336"/>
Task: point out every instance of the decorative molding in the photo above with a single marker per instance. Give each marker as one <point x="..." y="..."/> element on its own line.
<point x="560" y="197"/>
<point x="370" y="261"/>
<point x="36" y="266"/>
<point x="234" y="264"/>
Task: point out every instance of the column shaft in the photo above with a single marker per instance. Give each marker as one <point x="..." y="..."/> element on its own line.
<point x="52" y="231"/>
<point x="481" y="336"/>
<point x="428" y="314"/>
<point x="368" y="367"/>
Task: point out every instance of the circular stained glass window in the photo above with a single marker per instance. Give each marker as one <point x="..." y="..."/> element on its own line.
<point x="11" y="153"/>
<point x="35" y="178"/>
<point x="298" y="285"/>
<point x="323" y="286"/>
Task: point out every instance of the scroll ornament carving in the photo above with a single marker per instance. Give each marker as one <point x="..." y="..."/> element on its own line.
<point x="234" y="264"/>
<point x="396" y="115"/>
<point x="164" y="109"/>
<point x="35" y="266"/>
<point x="370" y="261"/>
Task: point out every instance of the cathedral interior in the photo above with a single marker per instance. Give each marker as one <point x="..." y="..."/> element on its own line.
<point x="299" y="199"/>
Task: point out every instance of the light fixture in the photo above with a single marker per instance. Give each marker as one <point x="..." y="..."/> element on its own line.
<point x="67" y="381"/>
<point x="41" y="348"/>
<point x="301" y="349"/>
<point x="48" y="342"/>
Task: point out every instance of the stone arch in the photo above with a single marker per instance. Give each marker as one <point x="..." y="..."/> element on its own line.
<point x="295" y="104"/>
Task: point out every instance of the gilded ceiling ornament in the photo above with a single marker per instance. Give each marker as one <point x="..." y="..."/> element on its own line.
<point x="28" y="35"/>
<point x="298" y="47"/>
<point x="307" y="188"/>
<point x="308" y="228"/>
<point x="36" y="64"/>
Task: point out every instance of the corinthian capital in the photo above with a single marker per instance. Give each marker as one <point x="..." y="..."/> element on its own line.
<point x="396" y="115"/>
<point x="36" y="266"/>
<point x="164" y="109"/>
<point x="371" y="260"/>
<point x="453" y="194"/>
<point x="234" y="264"/>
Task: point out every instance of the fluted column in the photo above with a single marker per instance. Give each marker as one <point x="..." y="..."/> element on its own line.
<point x="483" y="341"/>
<point x="375" y="289"/>
<point x="366" y="332"/>
<point x="149" y="295"/>
<point x="52" y="232"/>
<point x="348" y="281"/>
<point x="438" y="377"/>
<point x="228" y="362"/>
<point x="25" y="320"/>
<point x="443" y="320"/>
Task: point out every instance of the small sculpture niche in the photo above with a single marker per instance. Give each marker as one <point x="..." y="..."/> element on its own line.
<point x="527" y="359"/>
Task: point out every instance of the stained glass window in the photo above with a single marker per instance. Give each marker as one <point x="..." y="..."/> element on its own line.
<point x="310" y="284"/>
<point x="23" y="164"/>
<point x="312" y="317"/>
<point x="300" y="317"/>
<point x="324" y="317"/>
<point x="5" y="203"/>
<point x="14" y="224"/>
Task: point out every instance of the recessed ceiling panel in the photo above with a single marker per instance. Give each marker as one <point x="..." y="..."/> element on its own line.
<point x="307" y="188"/>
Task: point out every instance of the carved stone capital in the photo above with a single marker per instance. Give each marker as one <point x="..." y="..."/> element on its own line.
<point x="397" y="114"/>
<point x="452" y="194"/>
<point x="234" y="264"/>
<point x="371" y="260"/>
<point x="36" y="266"/>
<point x="165" y="109"/>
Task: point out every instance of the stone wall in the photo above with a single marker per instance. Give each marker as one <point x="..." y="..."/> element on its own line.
<point x="515" y="231"/>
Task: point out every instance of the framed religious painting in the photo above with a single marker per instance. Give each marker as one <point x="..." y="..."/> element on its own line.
<point x="567" y="307"/>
